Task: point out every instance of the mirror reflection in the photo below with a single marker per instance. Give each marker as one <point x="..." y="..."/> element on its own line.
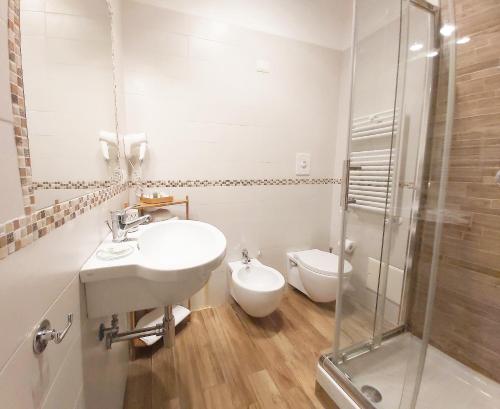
<point x="71" y="124"/>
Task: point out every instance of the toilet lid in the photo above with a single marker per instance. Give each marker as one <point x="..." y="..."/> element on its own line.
<point x="321" y="262"/>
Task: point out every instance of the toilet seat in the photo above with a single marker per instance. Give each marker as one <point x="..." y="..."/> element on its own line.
<point x="321" y="262"/>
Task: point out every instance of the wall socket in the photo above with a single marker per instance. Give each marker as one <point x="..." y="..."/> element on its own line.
<point x="303" y="164"/>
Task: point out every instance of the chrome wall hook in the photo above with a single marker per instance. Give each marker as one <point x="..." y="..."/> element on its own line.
<point x="45" y="333"/>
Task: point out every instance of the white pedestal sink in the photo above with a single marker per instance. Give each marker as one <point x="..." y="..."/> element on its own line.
<point x="169" y="262"/>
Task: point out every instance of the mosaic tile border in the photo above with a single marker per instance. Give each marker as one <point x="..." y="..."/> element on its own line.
<point x="236" y="182"/>
<point x="77" y="184"/>
<point x="18" y="105"/>
<point x="20" y="232"/>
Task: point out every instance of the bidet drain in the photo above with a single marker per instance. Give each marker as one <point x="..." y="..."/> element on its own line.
<point x="371" y="393"/>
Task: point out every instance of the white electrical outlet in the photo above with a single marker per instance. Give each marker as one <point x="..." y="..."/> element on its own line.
<point x="303" y="164"/>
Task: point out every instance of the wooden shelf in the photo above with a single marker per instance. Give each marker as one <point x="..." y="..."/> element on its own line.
<point x="165" y="204"/>
<point x="175" y="202"/>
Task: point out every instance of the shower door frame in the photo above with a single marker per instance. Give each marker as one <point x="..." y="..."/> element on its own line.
<point x="339" y="355"/>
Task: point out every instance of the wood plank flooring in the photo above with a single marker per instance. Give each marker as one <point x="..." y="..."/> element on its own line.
<point x="224" y="359"/>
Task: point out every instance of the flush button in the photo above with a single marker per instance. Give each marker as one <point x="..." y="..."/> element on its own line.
<point x="303" y="164"/>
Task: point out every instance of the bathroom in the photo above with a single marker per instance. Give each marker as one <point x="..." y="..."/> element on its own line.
<point x="250" y="204"/>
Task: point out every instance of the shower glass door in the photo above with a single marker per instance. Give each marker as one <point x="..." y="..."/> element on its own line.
<point x="369" y="172"/>
<point x="394" y="66"/>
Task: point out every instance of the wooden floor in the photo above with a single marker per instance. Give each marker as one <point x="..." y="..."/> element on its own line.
<point x="224" y="359"/>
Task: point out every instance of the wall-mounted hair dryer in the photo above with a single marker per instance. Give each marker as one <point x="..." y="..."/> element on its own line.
<point x="135" y="145"/>
<point x="107" y="139"/>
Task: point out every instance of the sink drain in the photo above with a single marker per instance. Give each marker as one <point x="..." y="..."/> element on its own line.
<point x="371" y="393"/>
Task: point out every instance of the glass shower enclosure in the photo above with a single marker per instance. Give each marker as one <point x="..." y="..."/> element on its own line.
<point x="401" y="119"/>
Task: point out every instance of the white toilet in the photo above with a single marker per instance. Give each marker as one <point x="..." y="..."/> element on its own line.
<point x="315" y="273"/>
<point x="258" y="289"/>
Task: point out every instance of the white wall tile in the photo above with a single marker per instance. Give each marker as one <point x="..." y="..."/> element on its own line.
<point x="42" y="123"/>
<point x="33" y="23"/>
<point x="200" y="48"/>
<point x="41" y="271"/>
<point x="34" y="51"/>
<point x="191" y="106"/>
<point x="105" y="371"/>
<point x="11" y="199"/>
<point x="4" y="9"/>
<point x="41" y="281"/>
<point x="65" y="390"/>
<point x="81" y="52"/>
<point x="77" y="7"/>
<point x="37" y="91"/>
<point x="33" y="5"/>
<point x="78" y="27"/>
<point x="80" y="403"/>
<point x="5" y="102"/>
<point x="33" y="375"/>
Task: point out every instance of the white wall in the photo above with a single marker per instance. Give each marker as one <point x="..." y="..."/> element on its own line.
<point x="209" y="114"/>
<point x="41" y="281"/>
<point x="11" y="204"/>
<point x="322" y="22"/>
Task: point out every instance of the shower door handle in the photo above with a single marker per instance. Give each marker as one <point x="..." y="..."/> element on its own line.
<point x="345" y="183"/>
<point x="344" y="197"/>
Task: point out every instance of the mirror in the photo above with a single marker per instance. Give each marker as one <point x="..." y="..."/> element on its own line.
<point x="70" y="100"/>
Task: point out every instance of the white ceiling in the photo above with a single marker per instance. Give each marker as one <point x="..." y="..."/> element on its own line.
<point x="322" y="22"/>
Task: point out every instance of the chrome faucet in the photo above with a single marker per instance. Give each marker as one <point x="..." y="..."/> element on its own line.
<point x="246" y="258"/>
<point x="120" y="227"/>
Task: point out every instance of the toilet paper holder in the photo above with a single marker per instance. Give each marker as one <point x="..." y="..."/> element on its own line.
<point x="349" y="246"/>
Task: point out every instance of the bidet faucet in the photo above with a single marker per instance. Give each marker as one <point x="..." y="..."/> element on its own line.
<point x="120" y="227"/>
<point x="246" y="258"/>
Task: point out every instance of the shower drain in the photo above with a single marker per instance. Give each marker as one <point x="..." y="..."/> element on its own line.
<point x="371" y="393"/>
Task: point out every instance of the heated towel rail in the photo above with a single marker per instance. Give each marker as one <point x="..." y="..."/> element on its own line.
<point x="371" y="171"/>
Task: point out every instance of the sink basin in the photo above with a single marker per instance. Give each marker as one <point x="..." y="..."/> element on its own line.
<point x="171" y="261"/>
<point x="180" y="248"/>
